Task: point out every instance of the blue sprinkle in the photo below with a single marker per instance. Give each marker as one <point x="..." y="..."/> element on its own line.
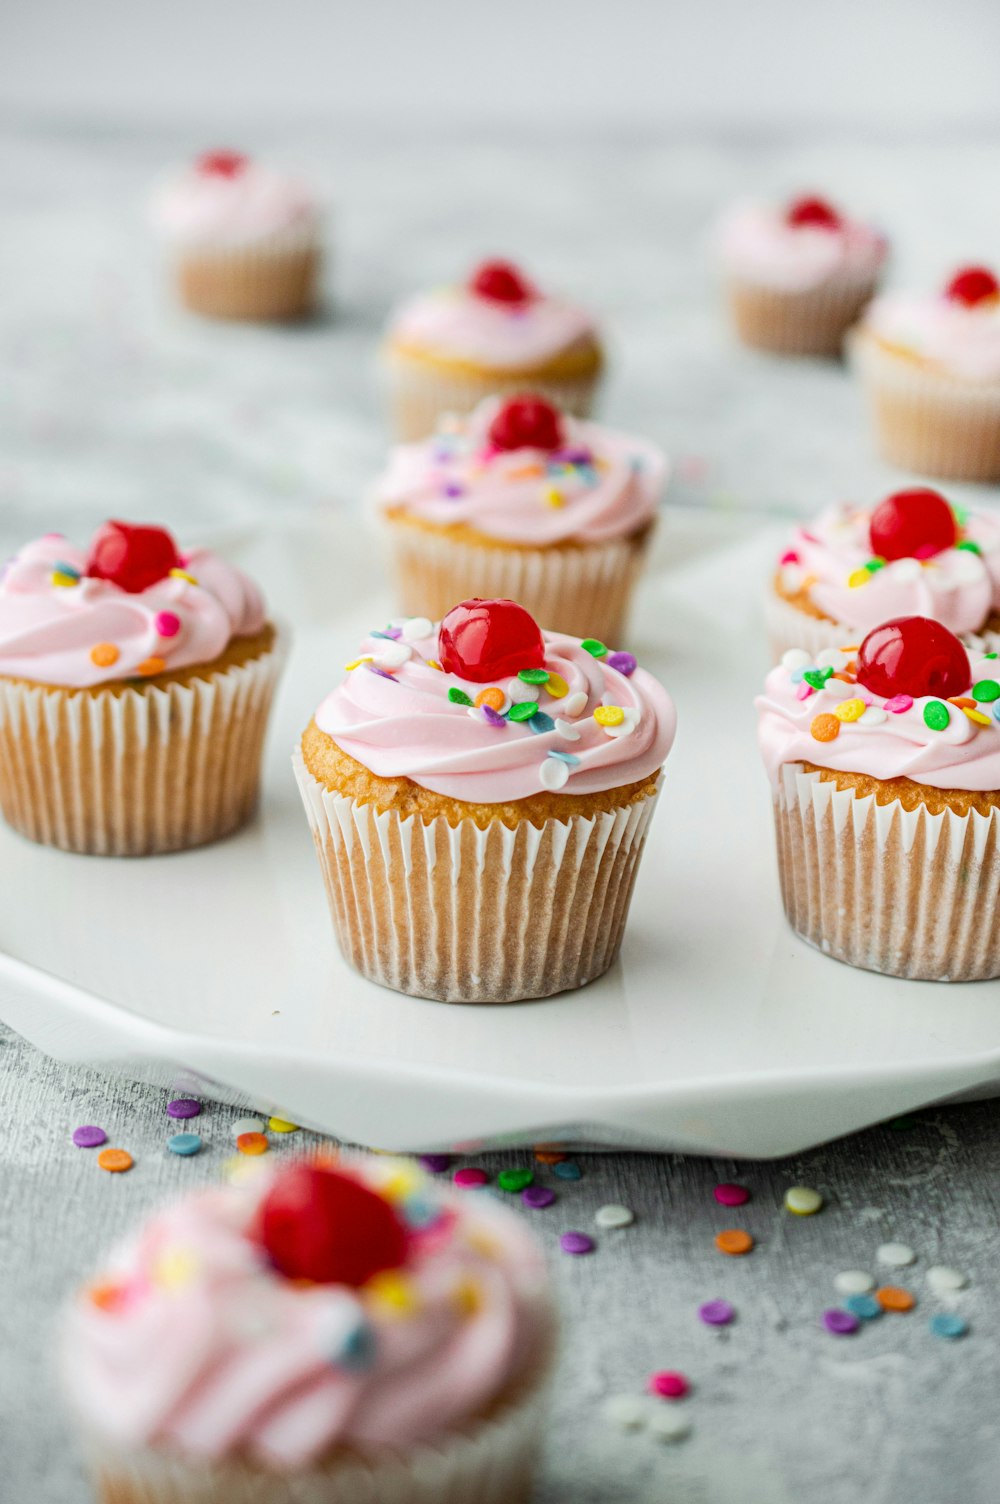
<point x="996" y="709"/>
<point x="540" y="722"/>
<point x="588" y="475"/>
<point x="567" y="757"/>
<point x="420" y="1212"/>
<point x="947" y="1324"/>
<point x="358" y="1348"/>
<point x="184" y="1143"/>
<point x="796" y="675"/>
<point x="567" y="1170"/>
<point x="864" y="1306"/>
<point x="637" y="464"/>
<point x="60" y="568"/>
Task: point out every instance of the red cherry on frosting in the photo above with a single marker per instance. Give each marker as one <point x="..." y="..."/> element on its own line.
<point x="814" y="212"/>
<point x="912" y="524"/>
<point x="501" y="282"/>
<point x="317" y="1223"/>
<point x="526" y="423"/>
<point x="131" y="557"/>
<point x="913" y="655"/>
<point x="972" y="285"/>
<point x="489" y="640"/>
<point x="222" y="164"/>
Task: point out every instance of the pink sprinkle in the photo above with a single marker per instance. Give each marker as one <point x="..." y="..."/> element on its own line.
<point x="728" y="1194"/>
<point x="809" y="537"/>
<point x="167" y="624"/>
<point x="668" y="1384"/>
<point x="790" y="557"/>
<point x="470" y="1177"/>
<point x="804" y="691"/>
<point x="899" y="703"/>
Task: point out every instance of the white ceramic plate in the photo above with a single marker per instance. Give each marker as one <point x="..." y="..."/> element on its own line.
<point x="716" y="1032"/>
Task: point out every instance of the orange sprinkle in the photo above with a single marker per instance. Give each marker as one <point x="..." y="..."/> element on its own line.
<point x="894" y="1298"/>
<point x="150" y="666"/>
<point x="106" y="1297"/>
<point x="494" y="697"/>
<point x="733" y="1240"/>
<point x="966" y="702"/>
<point x="104" y="654"/>
<point x="549" y="1156"/>
<point x="825" y="728"/>
<point x="252" y="1143"/>
<point x="525" y="472"/>
<point x="115" y="1160"/>
<point x="845" y="677"/>
<point x="850" y="647"/>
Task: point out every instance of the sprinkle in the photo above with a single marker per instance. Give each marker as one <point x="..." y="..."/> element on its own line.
<point x="567" y="730"/>
<point x="493" y="717"/>
<point x="520" y="692"/>
<point x="537" y="1196"/>
<point x="393" y="656"/>
<point x="182" y="574"/>
<point x="115" y="1161"/>
<point x="594" y="648"/>
<point x="858" y="577"/>
<point x="575" y="704"/>
<point x="415" y="628"/>
<point x="104" y="655"/>
<point x="150" y="666"/>
<point x="840" y="1323"/>
<point x="626" y="1411"/>
<point x="282" y="1125"/>
<point x="609" y="715"/>
<point x="729" y="1194"/>
<point x="853" y="1282"/>
<point x="668" y="1425"/>
<point x="553" y="773"/>
<point x="174" y="1268"/>
<point x="106" y="1297"/>
<point x="391" y="634"/>
<point x="494" y="697"/>
<point x="625" y="663"/>
<point x="986" y="690"/>
<point x="569" y="758"/>
<point x="470" y="1177"/>
<point x="668" y="1384"/>
<point x="61" y="567"/>
<point x="734" y="1241"/>
<point x="547" y="1156"/>
<point x="567" y="1170"/>
<point x="948" y="1324"/>
<point x="252" y="1143"/>
<point x="873" y="716"/>
<point x="969" y="546"/>
<point x="541" y="723"/>
<point x="576" y="1243"/>
<point x="184" y="1143"/>
<point x="804" y="691"/>
<point x="802" y="1201"/>
<point x="556" y="686"/>
<point x="89" y="1136"/>
<point x="716" y="1313"/>
<point x="614" y="1215"/>
<point x="825" y="728"/>
<point x="523" y="711"/>
<point x="357" y="662"/>
<point x="454" y="488"/>
<point x="976" y="716"/>
<point x="435" y="1164"/>
<point x="458" y="696"/>
<point x="167" y="624"/>
<point x="553" y="497"/>
<point x="183" y="1107"/>
<point x="896" y="1255"/>
<point x="942" y="1280"/>
<point x="247" y="1125"/>
<point x="65" y="580"/>
<point x="533" y="675"/>
<point x="433" y="663"/>
<point x="936" y="715"/>
<point x="818" y="677"/>
<point x="893" y="1298"/>
<point x="515" y="1180"/>
<point x="899" y="703"/>
<point x="393" y="1291"/>
<point x="864" y="1306"/>
<point x="850" y="710"/>
<point x="373" y="668"/>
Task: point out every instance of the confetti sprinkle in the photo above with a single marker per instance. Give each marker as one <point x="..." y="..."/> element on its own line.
<point x="493" y="716"/>
<point x="89" y="1136"/>
<point x="850" y="710"/>
<point x="515" y="1180"/>
<point x="948" y="1324"/>
<point x="614" y="1215"/>
<point x="942" y="1279"/>
<point x="626" y="1411"/>
<point x="184" y="1143"/>
<point x="716" y="1313"/>
<point x="244" y="1125"/>
<point x="734" y="1241"/>
<point x="554" y="773"/>
<point x="899" y="704"/>
<point x="541" y="723"/>
<point x="625" y="663"/>
<point x="864" y="1306"/>
<point x="150" y="666"/>
<point x="183" y="1107"/>
<point x="167" y="624"/>
<point x="795" y="658"/>
<point x="567" y="1169"/>
<point x="556" y="686"/>
<point x="576" y="1243"/>
<point x="853" y="1282"/>
<point x="896" y="1255"/>
<point x="595" y="648"/>
<point x="182" y="574"/>
<point x="459" y="697"/>
<point x="802" y="1201"/>
<point x="546" y="1156"/>
<point x="824" y="728"/>
<point x="538" y="1196"/>
<point x="937" y="716"/>
<point x="282" y="1125"/>
<point x="104" y="655"/>
<point x="435" y="1164"/>
<point x="494" y="697"/>
<point x="575" y="704"/>
<point x="252" y="1143"/>
<point x="609" y="715"/>
<point x="729" y="1194"/>
<point x="986" y="691"/>
<point x="894" y="1298"/>
<point x="523" y="711"/>
<point x="567" y="730"/>
<point x="470" y="1177"/>
<point x="533" y="675"/>
<point x="115" y="1161"/>
<point x="416" y="628"/>
<point x="669" y="1425"/>
<point x="840" y="1323"/>
<point x="668" y="1384"/>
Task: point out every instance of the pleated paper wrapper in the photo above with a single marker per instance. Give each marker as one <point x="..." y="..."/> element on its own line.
<point x="907" y="893"/>
<point x="140" y="772"/>
<point x="813" y="321"/>
<point x="585" y="590"/>
<point x="420" y="393"/>
<point x="475" y="916"/>
<point x="270" y="280"/>
<point x="788" y="627"/>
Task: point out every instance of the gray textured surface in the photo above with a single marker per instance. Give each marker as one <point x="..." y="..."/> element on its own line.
<point x="114" y="403"/>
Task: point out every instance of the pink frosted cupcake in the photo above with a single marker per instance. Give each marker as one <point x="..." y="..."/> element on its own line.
<point x="797" y="277"/>
<point x="448" y="349"/>
<point x="331" y="1332"/>
<point x="914" y="554"/>
<point x="244" y="238"/>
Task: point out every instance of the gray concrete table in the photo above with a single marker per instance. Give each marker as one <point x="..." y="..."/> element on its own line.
<point x="113" y="403"/>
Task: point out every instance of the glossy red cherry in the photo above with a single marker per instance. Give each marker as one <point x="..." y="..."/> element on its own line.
<point x="222" y="164"/>
<point x="914" y="524"/>
<point x="131" y="557"/>
<point x="489" y="640"/>
<point x="913" y="655"/>
<point x="317" y="1223"/>
<point x="526" y="423"/>
<point x="972" y="285"/>
<point x="814" y="212"/>
<point x="501" y="282"/>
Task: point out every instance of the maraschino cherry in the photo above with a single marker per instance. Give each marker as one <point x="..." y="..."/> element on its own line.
<point x="913" y="655"/>
<point x="131" y="557"/>
<point x="489" y="640"/>
<point x="501" y="282"/>
<point x="972" y="285"/>
<point x="915" y="524"/>
<point x="814" y="213"/>
<point x="317" y="1223"/>
<point x="222" y="164"/>
<point x="526" y="422"/>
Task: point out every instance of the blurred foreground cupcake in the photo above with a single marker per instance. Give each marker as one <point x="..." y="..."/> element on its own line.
<point x="521" y="500"/>
<point x="446" y="350"/>
<point x="885" y="773"/>
<point x="479" y="794"/>
<point x="912" y="555"/>
<point x="335" y="1331"/>
<point x="135" y="685"/>
<point x="797" y="276"/>
<point x="931" y="371"/>
<point x="244" y="238"/>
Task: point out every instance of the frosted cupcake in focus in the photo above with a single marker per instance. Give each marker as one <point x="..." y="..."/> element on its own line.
<point x="448" y="349"/>
<point x="479" y="794"/>
<point x="912" y="555"/>
<point x="930" y="364"/>
<point x="797" y="276"/>
<point x="334" y="1331"/>
<point x="135" y="686"/>
<point x="243" y="237"/>
<point x="523" y="501"/>
<point x="885" y="773"/>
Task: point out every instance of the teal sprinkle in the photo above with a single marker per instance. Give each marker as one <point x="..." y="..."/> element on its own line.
<point x="458" y="696"/>
<point x="358" y="1348"/>
<point x="574" y="761"/>
<point x="61" y="568"/>
<point x="865" y="1307"/>
<point x="541" y="722"/>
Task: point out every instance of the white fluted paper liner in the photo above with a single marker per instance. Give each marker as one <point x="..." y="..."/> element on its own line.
<point x="144" y="771"/>
<point x="475" y="916"/>
<point x="419" y="393"/>
<point x="809" y="321"/>
<point x="907" y="893"/>
<point x="585" y="590"/>
<point x="275" y="277"/>
<point x="788" y="627"/>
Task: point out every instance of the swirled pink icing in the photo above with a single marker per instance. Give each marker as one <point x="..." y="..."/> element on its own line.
<point x="960" y="340"/>
<point x="193" y="207"/>
<point x="198" y="1345"/>
<point x="599" y="485"/>
<point x="393" y="714"/>
<point x="957" y="586"/>
<point x="454" y="323"/>
<point x="756" y="244"/>
<point x="891" y="739"/>
<point x="48" y="631"/>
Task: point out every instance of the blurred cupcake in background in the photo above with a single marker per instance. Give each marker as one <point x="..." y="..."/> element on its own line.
<point x="244" y="238"/>
<point x="930" y="364"/>
<point x="448" y="349"/>
<point x="797" y="276"/>
<point x="521" y="500"/>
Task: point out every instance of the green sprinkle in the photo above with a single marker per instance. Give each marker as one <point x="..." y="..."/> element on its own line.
<point x="458" y="696"/>
<point x="593" y="647"/>
<point x="817" y="677"/>
<point x="986" y="689"/>
<point x="873" y="565"/>
<point x="515" y="1180"/>
<point x="989" y="655"/>
<point x="961" y="516"/>
<point x="534" y="675"/>
<point x="523" y="711"/>
<point x="936" y="715"/>
<point x="969" y="546"/>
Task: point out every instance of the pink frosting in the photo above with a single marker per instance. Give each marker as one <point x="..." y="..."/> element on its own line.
<point x="963" y="341"/>
<point x="457" y="324"/>
<point x="957" y="587"/>
<point x="205" y="1349"/>
<point x="399" y="722"/>
<point x="756" y="244"/>
<point x="47" y="631"/>
<point x="600" y="485"/>
<point x="197" y="208"/>
<point x="888" y="741"/>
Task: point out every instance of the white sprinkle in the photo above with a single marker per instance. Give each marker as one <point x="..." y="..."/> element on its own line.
<point x="247" y="1125"/>
<point x="905" y="571"/>
<point x="896" y="1255"/>
<point x="567" y="730"/>
<point x="416" y="627"/>
<point x="614" y="1215"/>
<point x="795" y="658"/>
<point x="574" y="704"/>
<point x="944" y="1281"/>
<point x="791" y="577"/>
<point x="553" y="773"/>
<point x="873" y="716"/>
<point x="626" y="727"/>
<point x="520" y="692"/>
<point x="668" y="1425"/>
<point x="839" y="690"/>
<point x="802" y="1200"/>
<point x="392" y="655"/>
<point x="626" y="1411"/>
<point x="832" y="658"/>
<point x="853" y="1282"/>
<point x="967" y="566"/>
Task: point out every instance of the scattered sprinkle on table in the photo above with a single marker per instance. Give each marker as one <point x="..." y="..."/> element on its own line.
<point x="865" y="1307"/>
<point x="733" y="1240"/>
<point x="282" y="1125"/>
<point x="853" y="1282"/>
<point x="900" y="1125"/>
<point x="728" y="1194"/>
<point x="896" y="1255"/>
<point x="183" y="1107"/>
<point x="668" y="1425"/>
<point x="840" y="1323"/>
<point x="802" y="1201"/>
<point x="716" y="1313"/>
<point x="89" y="1136"/>
<point x="944" y="1281"/>
<point x="184" y="1143"/>
<point x="470" y="1177"/>
<point x="668" y="1384"/>
<point x="948" y="1324"/>
<point x="626" y="1411"/>
<point x="116" y="1161"/>
<point x="549" y="1156"/>
<point x="893" y="1298"/>
<point x="515" y="1180"/>
<point x="435" y="1164"/>
<point x="252" y="1143"/>
<point x="614" y="1215"/>
<point x="567" y="1169"/>
<point x="576" y="1243"/>
<point x="537" y="1196"/>
<point x="247" y="1125"/>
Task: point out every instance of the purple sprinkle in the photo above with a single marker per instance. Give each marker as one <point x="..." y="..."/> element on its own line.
<point x="391" y="634"/>
<point x="492" y="716"/>
<point x="840" y="1323"/>
<point x="183" y="1107"/>
<point x="537" y="1196"/>
<point x="435" y="1164"/>
<point x="380" y="671"/>
<point x="453" y="488"/>
<point x="716" y="1313"/>
<point x="89" y="1136"/>
<point x="624" y="662"/>
<point x="572" y="456"/>
<point x="578" y="1242"/>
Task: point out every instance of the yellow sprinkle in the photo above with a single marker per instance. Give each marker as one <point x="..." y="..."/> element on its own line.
<point x="482" y="1243"/>
<point x="432" y="663"/>
<point x="282" y="1125"/>
<point x="182" y="574"/>
<point x="557" y="686"/>
<point x="850" y="710"/>
<point x="850" y="647"/>
<point x="402" y="1183"/>
<point x="977" y="716"/>
<point x="469" y="1297"/>
<point x="174" y="1268"/>
<point x="357" y="662"/>
<point x="553" y="497"/>
<point x="858" y="578"/>
<point x="609" y="715"/>
<point x="59" y="578"/>
<point x="393" y="1291"/>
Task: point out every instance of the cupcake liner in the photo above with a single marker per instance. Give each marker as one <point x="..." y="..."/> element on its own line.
<point x="272" y="280"/>
<point x="584" y="590"/>
<point x="145" y="770"/>
<point x="906" y="893"/>
<point x="467" y="915"/>
<point x="788" y="627"/>
<point x="419" y="392"/>
<point x="929" y="422"/>
<point x="812" y="321"/>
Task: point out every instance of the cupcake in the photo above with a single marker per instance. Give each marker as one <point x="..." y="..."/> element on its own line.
<point x="797" y="277"/>
<point x="885" y="774"/>
<point x="479" y="795"/>
<point x="448" y="349"/>
<point x="335" y="1331"/>
<point x="913" y="555"/>
<point x="521" y="500"/>
<point x="931" y="372"/>
<point x="135" y="684"/>
<point x="244" y="238"/>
